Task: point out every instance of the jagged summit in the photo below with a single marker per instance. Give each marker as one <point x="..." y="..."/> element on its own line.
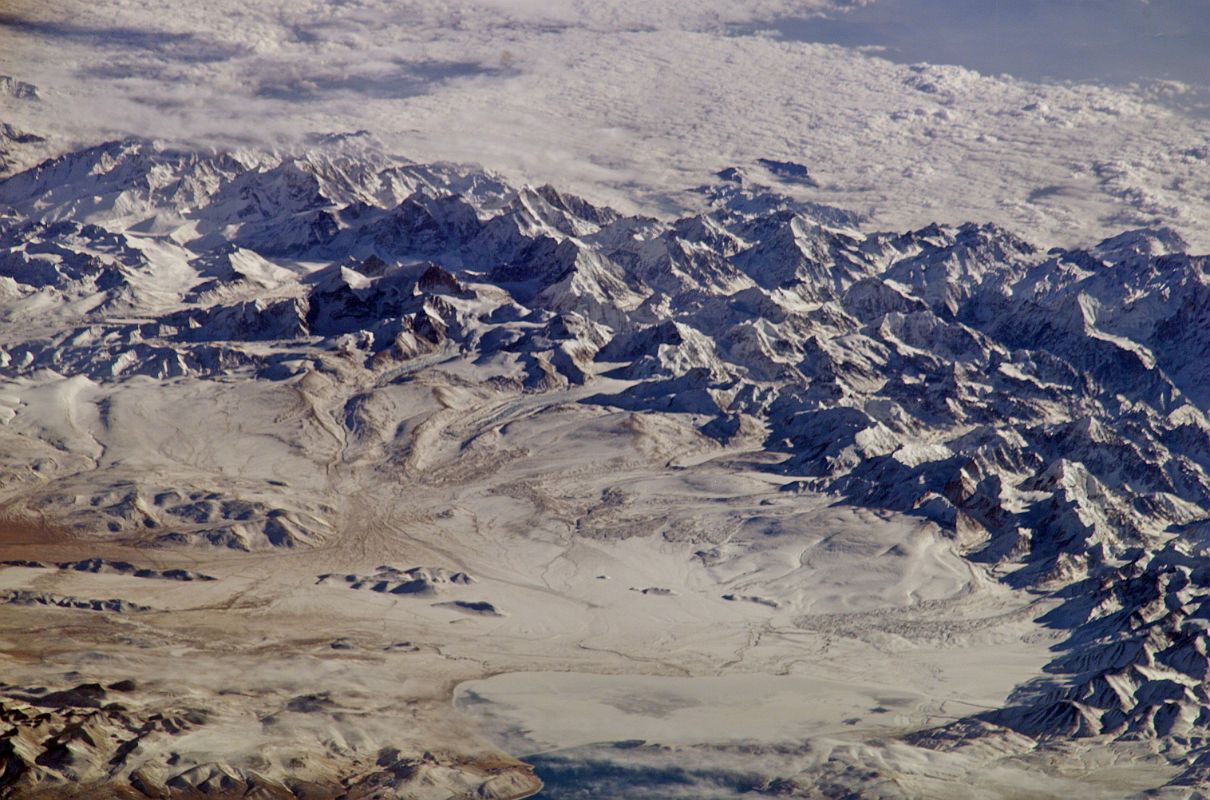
<point x="1045" y="408"/>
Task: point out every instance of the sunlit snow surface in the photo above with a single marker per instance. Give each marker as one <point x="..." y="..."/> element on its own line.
<point x="813" y="637"/>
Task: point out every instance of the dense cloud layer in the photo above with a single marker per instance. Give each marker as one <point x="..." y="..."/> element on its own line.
<point x="629" y="103"/>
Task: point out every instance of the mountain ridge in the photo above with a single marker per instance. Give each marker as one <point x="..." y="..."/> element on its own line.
<point x="1044" y="408"/>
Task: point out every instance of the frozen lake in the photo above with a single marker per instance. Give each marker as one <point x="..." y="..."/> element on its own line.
<point x="624" y="736"/>
<point x="601" y="737"/>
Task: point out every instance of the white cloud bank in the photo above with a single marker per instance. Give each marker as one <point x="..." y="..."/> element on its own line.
<point x="625" y="101"/>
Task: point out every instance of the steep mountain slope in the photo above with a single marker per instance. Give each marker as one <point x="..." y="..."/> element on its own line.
<point x="202" y="350"/>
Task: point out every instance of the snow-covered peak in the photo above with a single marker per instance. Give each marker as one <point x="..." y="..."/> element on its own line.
<point x="1045" y="408"/>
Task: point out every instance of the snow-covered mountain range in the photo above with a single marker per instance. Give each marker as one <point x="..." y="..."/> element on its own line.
<point x="1045" y="409"/>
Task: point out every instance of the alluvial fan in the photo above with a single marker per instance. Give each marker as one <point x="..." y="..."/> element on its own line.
<point x="1043" y="409"/>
